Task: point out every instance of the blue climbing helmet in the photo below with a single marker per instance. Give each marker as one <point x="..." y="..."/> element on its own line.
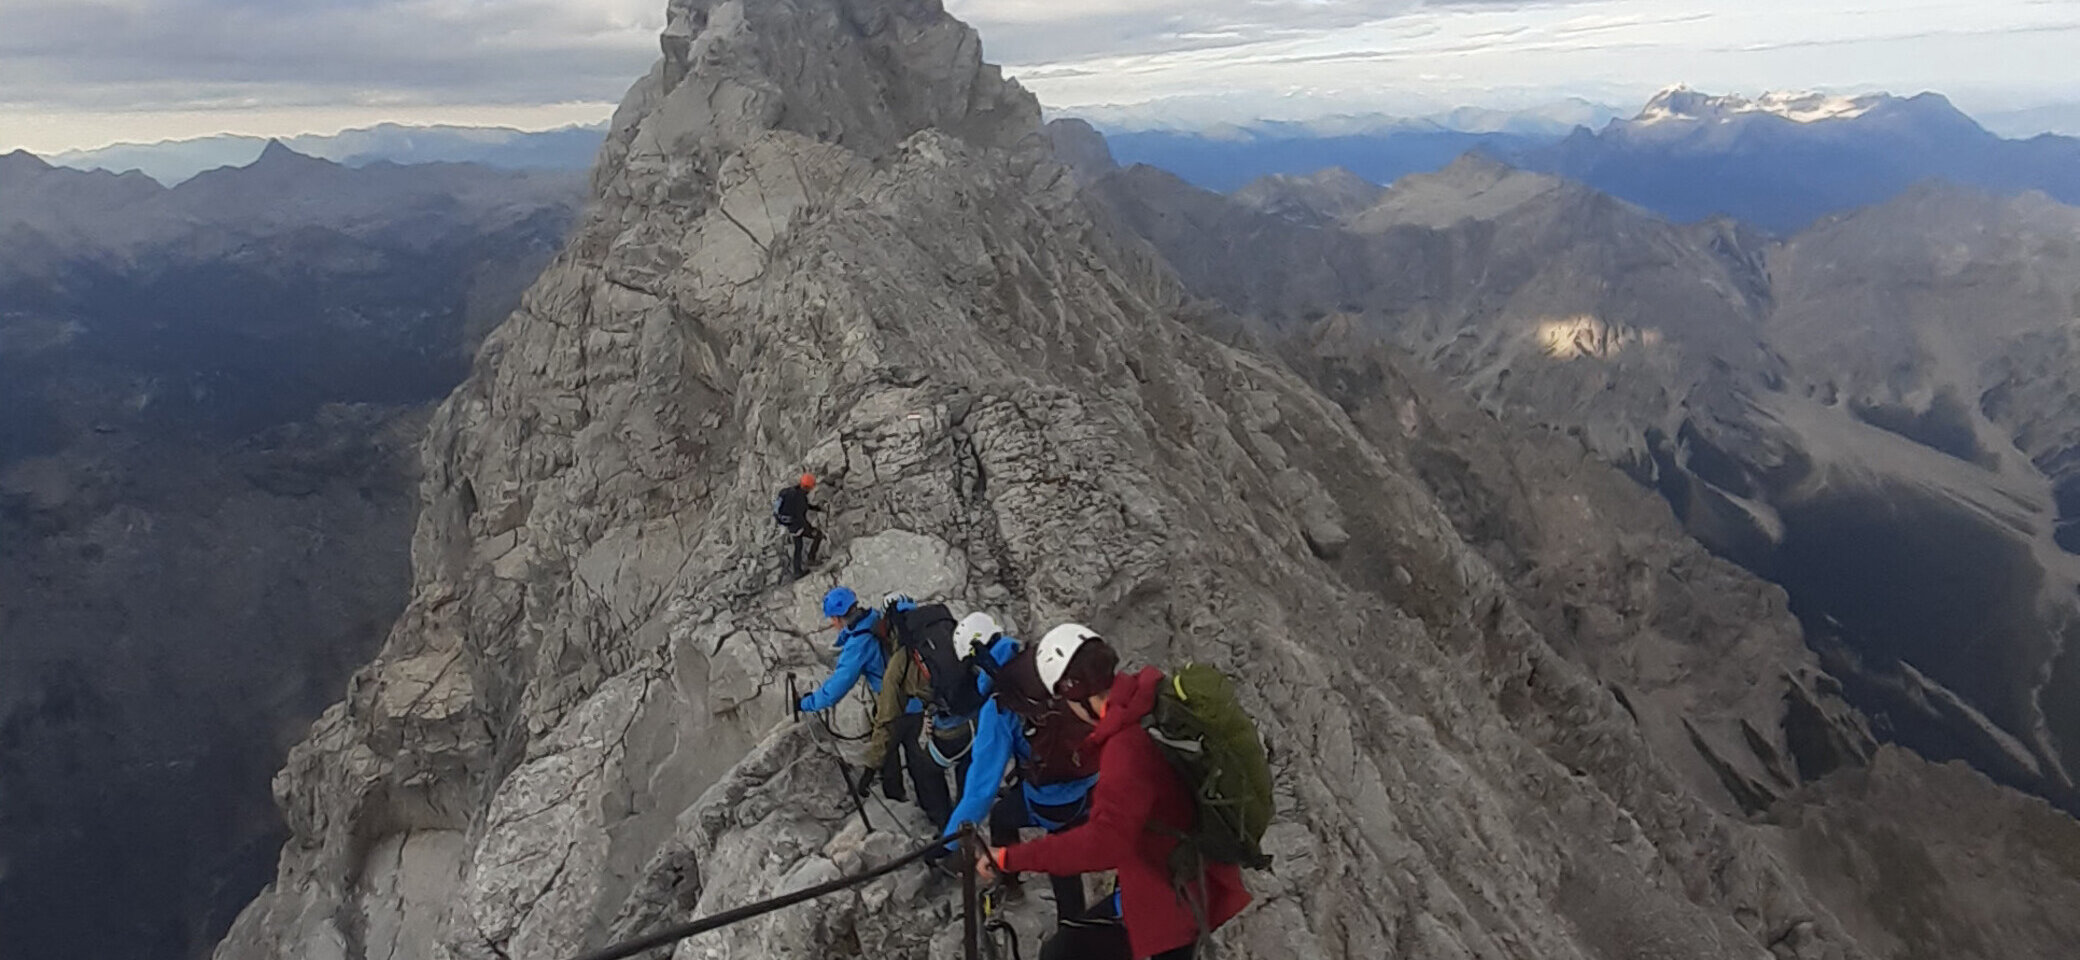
<point x="839" y="601"/>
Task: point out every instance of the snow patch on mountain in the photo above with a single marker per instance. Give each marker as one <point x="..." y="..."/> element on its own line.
<point x="1682" y="104"/>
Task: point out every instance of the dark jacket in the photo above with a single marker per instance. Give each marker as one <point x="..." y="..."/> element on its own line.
<point x="1136" y="808"/>
<point x="791" y="508"/>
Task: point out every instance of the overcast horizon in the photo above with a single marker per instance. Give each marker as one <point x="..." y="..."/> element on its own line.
<point x="86" y="74"/>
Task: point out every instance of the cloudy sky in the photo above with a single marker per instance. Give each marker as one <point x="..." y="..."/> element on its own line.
<point x="81" y="73"/>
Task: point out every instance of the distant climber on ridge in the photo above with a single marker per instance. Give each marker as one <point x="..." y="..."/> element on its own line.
<point x="1023" y="728"/>
<point x="791" y="509"/>
<point x="1142" y="812"/>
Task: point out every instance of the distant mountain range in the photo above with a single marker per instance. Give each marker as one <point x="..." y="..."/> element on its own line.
<point x="2031" y="121"/>
<point x="1555" y="119"/>
<point x="1778" y="162"/>
<point x="210" y="402"/>
<point x="173" y="161"/>
<point x="1231" y="159"/>
<point x="1782" y="161"/>
<point x="1377" y="147"/>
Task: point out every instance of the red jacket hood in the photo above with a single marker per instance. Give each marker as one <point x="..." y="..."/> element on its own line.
<point x="1133" y="696"/>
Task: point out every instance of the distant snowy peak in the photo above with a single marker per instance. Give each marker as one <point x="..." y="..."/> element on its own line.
<point x="1682" y="104"/>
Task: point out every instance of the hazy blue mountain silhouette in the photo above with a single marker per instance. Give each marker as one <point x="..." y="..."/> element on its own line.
<point x="1689" y="157"/>
<point x="1227" y="161"/>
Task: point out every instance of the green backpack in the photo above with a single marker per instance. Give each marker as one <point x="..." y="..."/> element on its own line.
<point x="1213" y="744"/>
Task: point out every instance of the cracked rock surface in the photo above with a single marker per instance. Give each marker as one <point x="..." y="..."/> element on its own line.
<point x="829" y="237"/>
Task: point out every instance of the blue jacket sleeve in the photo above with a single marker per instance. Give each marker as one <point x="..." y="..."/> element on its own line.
<point x="1002" y="651"/>
<point x="852" y="662"/>
<point x="991" y="753"/>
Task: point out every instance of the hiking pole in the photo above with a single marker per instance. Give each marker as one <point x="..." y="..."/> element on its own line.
<point x="629" y="948"/>
<point x="845" y="779"/>
<point x="971" y="906"/>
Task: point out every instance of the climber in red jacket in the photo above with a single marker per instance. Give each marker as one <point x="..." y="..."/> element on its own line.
<point x="1138" y="809"/>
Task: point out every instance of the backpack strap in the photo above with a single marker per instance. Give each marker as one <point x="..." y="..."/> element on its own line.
<point x="1188" y="881"/>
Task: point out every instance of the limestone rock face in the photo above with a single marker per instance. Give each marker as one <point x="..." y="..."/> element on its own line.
<point x="829" y="237"/>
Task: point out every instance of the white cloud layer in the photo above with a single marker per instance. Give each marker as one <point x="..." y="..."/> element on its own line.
<point x="82" y="72"/>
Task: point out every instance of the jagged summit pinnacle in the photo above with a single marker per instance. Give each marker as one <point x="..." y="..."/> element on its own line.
<point x="280" y="156"/>
<point x="864" y="74"/>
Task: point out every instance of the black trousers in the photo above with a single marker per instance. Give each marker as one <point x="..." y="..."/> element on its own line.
<point x="927" y="778"/>
<point x="1101" y="936"/>
<point x="807" y="540"/>
<point x="1011" y="814"/>
<point x="1102" y="941"/>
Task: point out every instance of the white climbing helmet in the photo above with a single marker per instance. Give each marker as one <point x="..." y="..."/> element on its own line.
<point x="1057" y="648"/>
<point x="975" y="631"/>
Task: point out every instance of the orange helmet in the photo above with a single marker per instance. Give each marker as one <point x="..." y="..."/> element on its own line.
<point x="808" y="481"/>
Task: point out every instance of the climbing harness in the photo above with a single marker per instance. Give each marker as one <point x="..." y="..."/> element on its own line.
<point x="670" y="935"/>
<point x="931" y="744"/>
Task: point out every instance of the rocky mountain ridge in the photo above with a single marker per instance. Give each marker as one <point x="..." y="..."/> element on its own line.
<point x="1517" y="714"/>
<point x="1869" y="413"/>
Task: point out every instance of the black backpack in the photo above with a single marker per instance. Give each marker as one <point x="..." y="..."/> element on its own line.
<point x="926" y="631"/>
<point x="788" y="514"/>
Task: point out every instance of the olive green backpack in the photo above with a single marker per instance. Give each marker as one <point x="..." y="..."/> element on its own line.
<point x="1211" y="741"/>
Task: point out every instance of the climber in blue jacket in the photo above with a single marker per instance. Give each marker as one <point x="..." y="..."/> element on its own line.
<point x="1022" y="727"/>
<point x="860" y="653"/>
